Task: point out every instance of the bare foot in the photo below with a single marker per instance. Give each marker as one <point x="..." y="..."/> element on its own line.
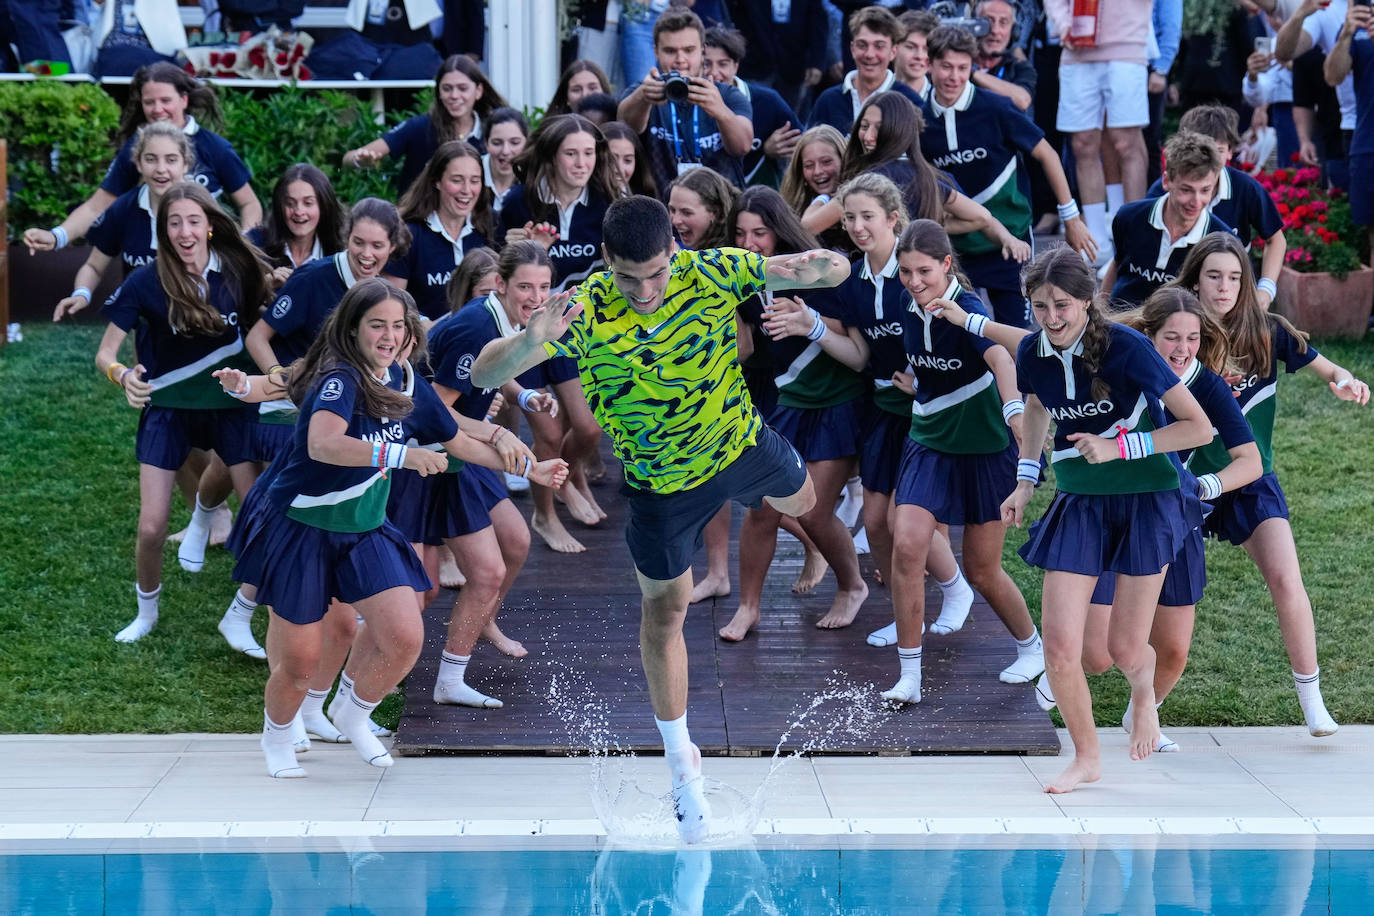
<point x="877" y="575"/>
<point x="1078" y="772"/>
<point x="577" y="504"/>
<point x="1144" y="729"/>
<point x="586" y="493"/>
<point x="844" y="608"/>
<point x="176" y="537"/>
<point x="812" y="572"/>
<point x="450" y="576"/>
<point x="745" y="619"/>
<point x="221" y="523"/>
<point x="555" y="535"/>
<point x="503" y="643"/>
<point x="710" y="587"/>
<point x="594" y="470"/>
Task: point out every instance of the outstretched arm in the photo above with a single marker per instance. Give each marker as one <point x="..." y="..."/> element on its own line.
<point x="1342" y="382"/>
<point x="815" y="269"/>
<point x="504" y="359"/>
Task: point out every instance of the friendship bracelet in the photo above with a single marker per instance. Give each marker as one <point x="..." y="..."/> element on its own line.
<point x="110" y="370"/>
<point x="975" y="324"/>
<point x="1209" y="486"/>
<point x="818" y="328"/>
<point x="1136" y="445"/>
<point x="496" y="432"/>
<point x="377" y="454"/>
<point x="524" y="398"/>
<point x="1013" y="408"/>
<point x="59" y="236"/>
<point x="1028" y="469"/>
<point x="122" y="375"/>
<point x="81" y="291"/>
<point x="1265" y="285"/>
<point x="247" y="389"/>
<point x="1068" y="211"/>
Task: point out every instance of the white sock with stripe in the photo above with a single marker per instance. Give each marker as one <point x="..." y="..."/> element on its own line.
<point x="450" y="688"/>
<point x="277" y="748"/>
<point x="235" y="626"/>
<point x="908" y="686"/>
<point x="1309" y="687"/>
<point x="147" y="616"/>
<point x="314" y="719"/>
<point x="351" y="715"/>
<point x="1030" y="661"/>
<point x="191" y="553"/>
<point x="958" y="601"/>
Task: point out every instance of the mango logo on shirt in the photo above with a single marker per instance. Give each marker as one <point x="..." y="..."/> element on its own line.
<point x="960" y="157"/>
<point x="572" y="251"/>
<point x="1091" y="409"/>
<point x="936" y="362"/>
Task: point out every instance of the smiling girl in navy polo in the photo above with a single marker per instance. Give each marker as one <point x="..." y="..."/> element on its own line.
<point x="1119" y="509"/>
<point x="305" y="222"/>
<point x="1256" y="515"/>
<point x="128" y="229"/>
<point x="185" y="311"/>
<point x="448" y="213"/>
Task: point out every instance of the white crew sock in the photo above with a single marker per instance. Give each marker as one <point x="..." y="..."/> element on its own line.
<point x="1309" y="687"/>
<point x="1030" y="661"/>
<point x="450" y="688"/>
<point x="1116" y="196"/>
<point x="350" y="714"/>
<point x="277" y="748"/>
<point x="191" y="553"/>
<point x="147" y="616"/>
<point x="958" y="600"/>
<point x="235" y="627"/>
<point x="908" y="686"/>
<point x="344" y="691"/>
<point x="1095" y="216"/>
<point x="1165" y="744"/>
<point x="851" y="502"/>
<point x="684" y="763"/>
<point x="314" y="719"/>
<point x="300" y="741"/>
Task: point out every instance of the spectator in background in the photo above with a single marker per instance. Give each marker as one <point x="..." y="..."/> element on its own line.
<point x="997" y="69"/>
<point x="33" y="29"/>
<point x="913" y="62"/>
<point x="788" y="40"/>
<point x="627" y="155"/>
<point x="875" y="34"/>
<point x="1352" y="59"/>
<point x="580" y="78"/>
<point x="1313" y="25"/>
<point x="598" y="107"/>
<point x="711" y="127"/>
<point x="1104" y="78"/>
<point x="385" y="40"/>
<point x="1166" y="17"/>
<point x="776" y="126"/>
<point x="638" y="37"/>
<point x="1268" y="87"/>
<point x="132" y="35"/>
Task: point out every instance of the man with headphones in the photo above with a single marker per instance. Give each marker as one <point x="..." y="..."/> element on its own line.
<point x="997" y="68"/>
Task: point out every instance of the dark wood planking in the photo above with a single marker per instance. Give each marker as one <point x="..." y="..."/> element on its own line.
<point x="579" y="617"/>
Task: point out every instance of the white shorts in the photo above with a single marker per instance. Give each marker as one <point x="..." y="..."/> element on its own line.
<point x="1113" y="89"/>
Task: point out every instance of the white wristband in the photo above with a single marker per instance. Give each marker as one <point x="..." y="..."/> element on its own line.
<point x="1209" y="486"/>
<point x="1265" y="285"/>
<point x="81" y="291"/>
<point x="818" y="328"/>
<point x="59" y="235"/>
<point x="525" y="473"/>
<point x="1068" y="211"/>
<point x="974" y="324"/>
<point x="396" y="456"/>
<point x="524" y="398"/>
<point x="1028" y="469"/>
<point x="1013" y="408"/>
<point x="247" y="389"/>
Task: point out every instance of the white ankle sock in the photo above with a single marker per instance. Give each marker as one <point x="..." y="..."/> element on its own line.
<point x="191" y="553"/>
<point x="1095" y="216"/>
<point x="313" y="717"/>
<point x="887" y="636"/>
<point x="1309" y="687"/>
<point x="300" y="741"/>
<point x="1116" y="196"/>
<point x="276" y="747"/>
<point x="351" y="716"/>
<point x="908" y="686"/>
<point x="450" y="688"/>
<point x="1044" y="693"/>
<point x="235" y="627"/>
<point x="851" y="503"/>
<point x="341" y="695"/>
<point x="1030" y="661"/>
<point x="684" y="763"/>
<point x="147" y="616"/>
<point x="958" y="600"/>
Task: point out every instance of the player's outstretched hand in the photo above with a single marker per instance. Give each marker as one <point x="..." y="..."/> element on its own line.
<point x="552" y="319"/>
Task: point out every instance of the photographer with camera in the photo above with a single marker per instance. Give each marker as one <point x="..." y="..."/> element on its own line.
<point x="999" y="70"/>
<point x="685" y="120"/>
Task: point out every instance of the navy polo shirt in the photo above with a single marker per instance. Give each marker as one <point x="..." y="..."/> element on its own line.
<point x="305" y="301"/>
<point x="577" y="253"/>
<point x="680" y="136"/>
<point x="836" y="105"/>
<point x="1144" y="260"/>
<point x="770" y="113"/>
<point x="1241" y="203"/>
<point x="431" y="260"/>
<point x="218" y="167"/>
<point x="808" y="377"/>
<point x="413" y="141"/>
<point x="1217" y="400"/>
<point x="454" y="344"/>
<point x="127" y="229"/>
<point x="874" y="303"/>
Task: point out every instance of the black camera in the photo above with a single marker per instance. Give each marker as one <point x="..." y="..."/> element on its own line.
<point x="949" y="14"/>
<point x="675" y="85"/>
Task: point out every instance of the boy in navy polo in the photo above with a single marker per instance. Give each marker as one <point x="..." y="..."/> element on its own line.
<point x="979" y="137"/>
<point x="1152" y="236"/>
<point x="874" y="36"/>
<point x="776" y="125"/>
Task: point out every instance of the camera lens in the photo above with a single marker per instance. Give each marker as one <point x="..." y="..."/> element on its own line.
<point x="675" y="86"/>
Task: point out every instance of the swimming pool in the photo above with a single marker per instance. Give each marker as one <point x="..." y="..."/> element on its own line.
<point x="794" y="875"/>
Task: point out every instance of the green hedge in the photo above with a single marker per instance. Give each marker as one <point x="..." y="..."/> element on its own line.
<point x="60" y="143"/>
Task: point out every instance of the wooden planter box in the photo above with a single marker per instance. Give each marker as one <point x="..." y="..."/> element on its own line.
<point x="1325" y="306"/>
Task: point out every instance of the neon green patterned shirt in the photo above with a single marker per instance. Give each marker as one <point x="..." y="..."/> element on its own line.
<point x="667" y="387"/>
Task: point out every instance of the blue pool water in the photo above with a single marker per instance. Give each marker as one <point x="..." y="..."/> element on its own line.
<point x="1091" y="875"/>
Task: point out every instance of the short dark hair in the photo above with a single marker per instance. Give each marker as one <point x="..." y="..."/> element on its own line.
<point x="1217" y="122"/>
<point x="923" y="21"/>
<point x="876" y="19"/>
<point x="637" y="229"/>
<point x="728" y="40"/>
<point x="678" y="19"/>
<point x="951" y="38"/>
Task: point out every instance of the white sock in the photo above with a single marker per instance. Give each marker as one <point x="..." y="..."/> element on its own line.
<point x="887" y="636"/>
<point x="1095" y="215"/>
<point x="1030" y="661"/>
<point x="958" y="600"/>
<point x="861" y="541"/>
<point x="684" y="762"/>
<point x="1116" y="196"/>
<point x="1044" y="693"/>
<point x="344" y="691"/>
<point x="276" y="747"/>
<point x="450" y="688"/>
<point x="146" y="619"/>
<point x="1165" y="744"/>
<point x="908" y="686"/>
<point x="1309" y="687"/>
<point x="351" y="716"/>
<point x="314" y="719"/>
<point x="191" y="553"/>
<point x="300" y="741"/>
<point x="234" y="626"/>
<point x="851" y="502"/>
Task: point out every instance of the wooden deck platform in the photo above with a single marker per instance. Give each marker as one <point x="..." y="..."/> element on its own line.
<point x="579" y="617"/>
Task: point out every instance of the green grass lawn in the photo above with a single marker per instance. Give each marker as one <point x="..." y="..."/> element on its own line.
<point x="70" y="501"/>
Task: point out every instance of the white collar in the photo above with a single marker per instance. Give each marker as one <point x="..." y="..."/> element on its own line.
<point x="1065" y="357"/>
<point x="498" y="312"/>
<point x="547" y="196"/>
<point x="1223" y="187"/>
<point x="852" y="76"/>
<point x="476" y="125"/>
<point x="145" y="200"/>
<point x="889" y="269"/>
<point x="960" y="104"/>
<point x="438" y="226"/>
<point x="213" y="265"/>
<point x="1191" y="373"/>
<point x="345" y="269"/>
<point x="1191" y="237"/>
<point x="741" y="85"/>
<point x="316" y="251"/>
<point x="191" y="128"/>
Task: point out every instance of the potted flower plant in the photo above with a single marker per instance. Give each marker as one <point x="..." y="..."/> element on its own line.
<point x="1323" y="286"/>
